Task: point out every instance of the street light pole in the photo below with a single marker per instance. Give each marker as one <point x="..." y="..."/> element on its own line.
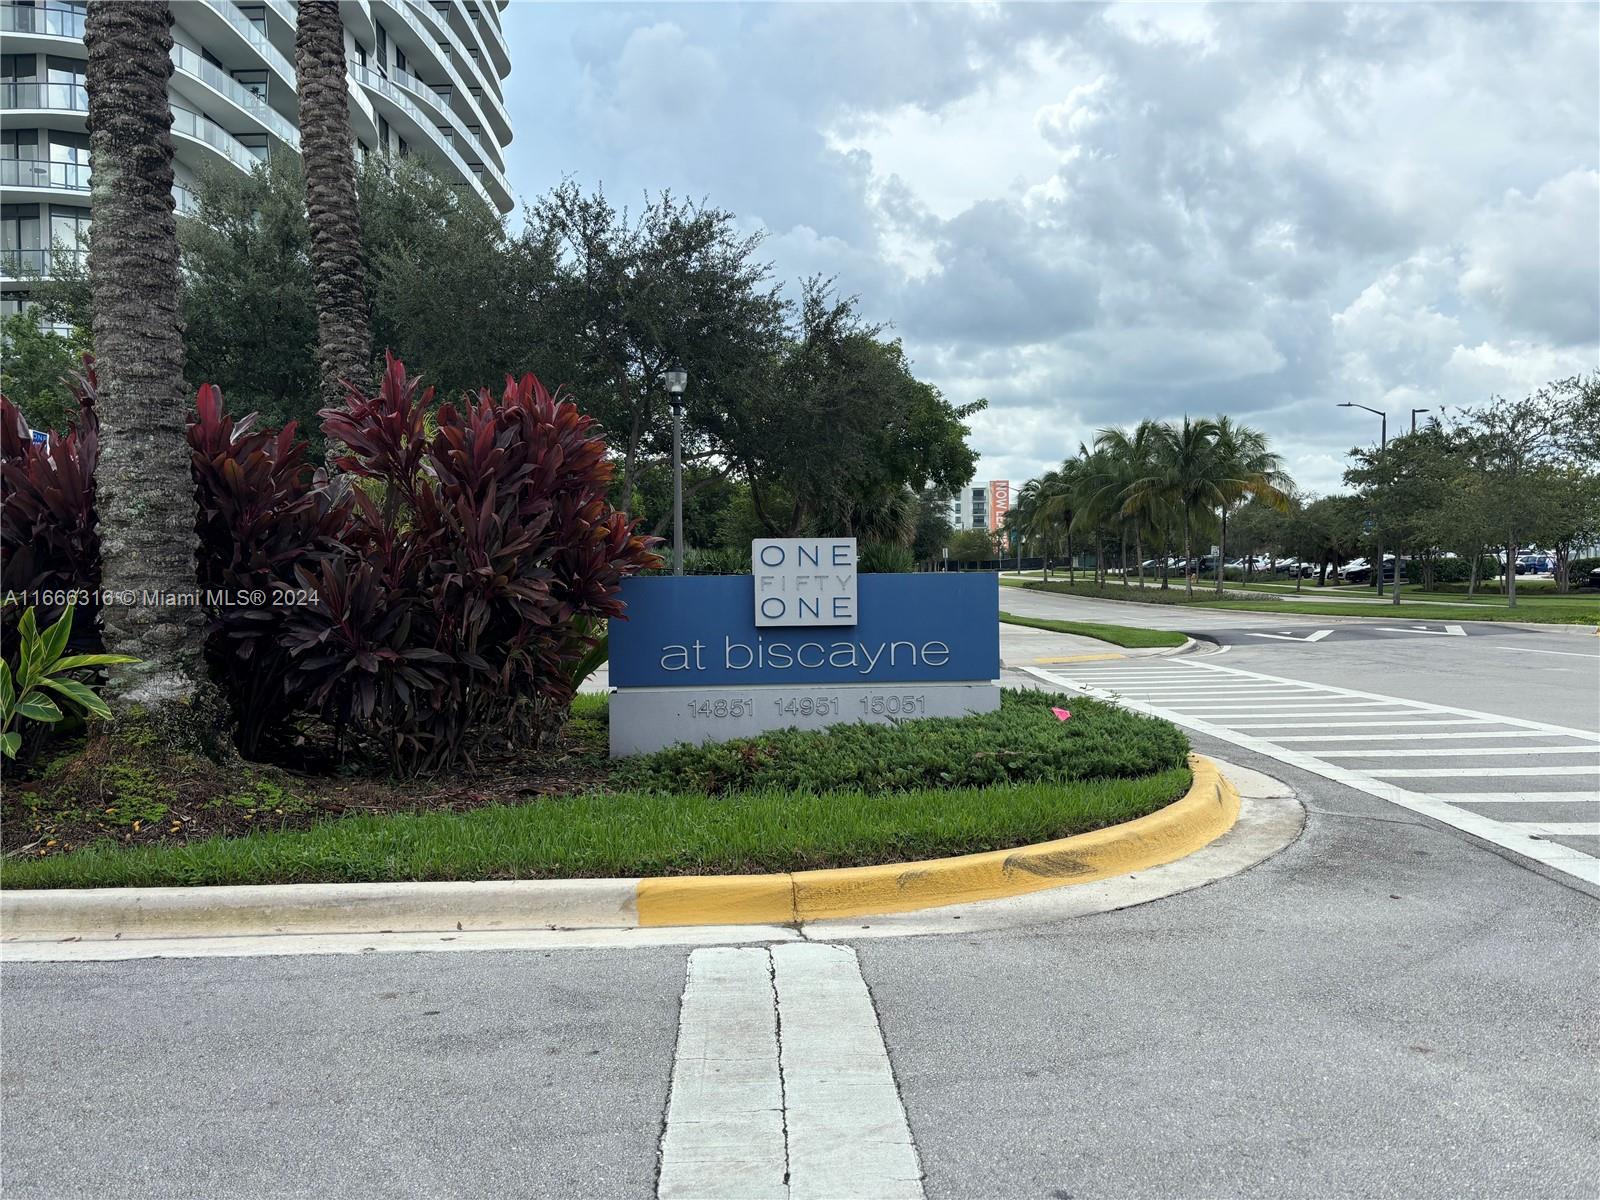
<point x="1377" y="573"/>
<point x="1414" y="413"/>
<point x="677" y="380"/>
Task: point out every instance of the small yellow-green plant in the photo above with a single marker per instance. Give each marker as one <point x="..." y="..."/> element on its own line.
<point x="43" y="667"/>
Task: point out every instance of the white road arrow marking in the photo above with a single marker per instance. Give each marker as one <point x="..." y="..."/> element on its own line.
<point x="1447" y="631"/>
<point x="1289" y="637"/>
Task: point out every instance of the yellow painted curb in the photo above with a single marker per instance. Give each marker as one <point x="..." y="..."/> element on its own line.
<point x="1080" y="658"/>
<point x="1207" y="811"/>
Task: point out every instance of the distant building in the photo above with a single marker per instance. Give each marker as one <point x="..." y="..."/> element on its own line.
<point x="981" y="506"/>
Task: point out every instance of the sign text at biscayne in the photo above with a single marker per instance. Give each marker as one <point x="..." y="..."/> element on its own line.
<point x="692" y="662"/>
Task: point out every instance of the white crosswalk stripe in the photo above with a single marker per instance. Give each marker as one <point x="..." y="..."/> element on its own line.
<point x="1348" y="736"/>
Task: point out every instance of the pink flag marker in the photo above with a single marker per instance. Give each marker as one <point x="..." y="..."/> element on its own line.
<point x="1061" y="713"/>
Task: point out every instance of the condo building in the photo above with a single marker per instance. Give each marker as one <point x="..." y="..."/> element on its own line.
<point x="425" y="79"/>
<point x="981" y="506"/>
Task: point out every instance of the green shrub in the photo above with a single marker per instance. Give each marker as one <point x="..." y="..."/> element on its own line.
<point x="1578" y="570"/>
<point x="1023" y="742"/>
<point x="719" y="560"/>
<point x="884" y="558"/>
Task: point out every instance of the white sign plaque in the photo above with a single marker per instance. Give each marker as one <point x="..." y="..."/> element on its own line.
<point x="804" y="581"/>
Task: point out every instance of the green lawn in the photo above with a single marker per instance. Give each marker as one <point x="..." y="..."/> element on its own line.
<point x="1117" y="635"/>
<point x="787" y="800"/>
<point x="627" y="834"/>
<point x="1543" y="609"/>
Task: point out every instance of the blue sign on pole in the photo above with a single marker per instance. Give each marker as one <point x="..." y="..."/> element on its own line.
<point x="700" y="631"/>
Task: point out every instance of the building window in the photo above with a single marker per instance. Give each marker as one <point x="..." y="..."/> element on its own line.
<point x="69" y="147"/>
<point x="65" y="70"/>
<point x="20" y="229"/>
<point x="399" y="59"/>
<point x="256" y="143"/>
<point x="256" y="15"/>
<point x="383" y="52"/>
<point x="361" y="52"/>
<point x="19" y="68"/>
<point x="19" y="143"/>
<point x="404" y="149"/>
<point x="69" y="228"/>
<point x="212" y="59"/>
<point x="254" y="82"/>
<point x="383" y="134"/>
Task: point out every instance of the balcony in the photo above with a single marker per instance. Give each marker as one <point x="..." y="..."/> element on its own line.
<point x="51" y="22"/>
<point x="43" y="175"/>
<point x="44" y="97"/>
<point x="244" y="28"/>
<point x="455" y="53"/>
<point x="464" y="136"/>
<point x="35" y="264"/>
<point x="206" y="131"/>
<point x="270" y="119"/>
<point x="422" y="125"/>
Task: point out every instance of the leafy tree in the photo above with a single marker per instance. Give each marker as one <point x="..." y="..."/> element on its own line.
<point x="35" y="367"/>
<point x="971" y="545"/>
<point x="635" y="293"/>
<point x="933" y="529"/>
<point x="249" y="304"/>
<point x="839" y="426"/>
<point x="144" y="491"/>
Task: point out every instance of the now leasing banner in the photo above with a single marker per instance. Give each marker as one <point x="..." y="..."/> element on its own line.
<point x="694" y="662"/>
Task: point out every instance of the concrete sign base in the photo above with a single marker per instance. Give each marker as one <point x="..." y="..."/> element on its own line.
<point x="647" y="719"/>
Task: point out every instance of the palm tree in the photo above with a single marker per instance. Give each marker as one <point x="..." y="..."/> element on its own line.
<point x="1185" y="477"/>
<point x="344" y="349"/>
<point x="1132" y="454"/>
<point x="144" y="491"/>
<point x="1248" y="469"/>
<point x="1032" y="503"/>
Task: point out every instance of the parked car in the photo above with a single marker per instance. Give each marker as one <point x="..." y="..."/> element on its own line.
<point x="1534" y="564"/>
<point x="1594" y="578"/>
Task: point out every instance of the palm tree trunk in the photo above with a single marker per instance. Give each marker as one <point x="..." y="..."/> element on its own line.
<point x="1124" y="558"/>
<point x="1188" y="560"/>
<point x="1138" y="551"/>
<point x="1072" y="567"/>
<point x="344" y="349"/>
<point x="144" y="490"/>
<point x="1511" y="568"/>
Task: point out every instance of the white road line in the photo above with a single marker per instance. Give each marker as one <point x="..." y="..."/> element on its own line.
<point x="724" y="1134"/>
<point x="1413" y="705"/>
<point x="1559" y="828"/>
<point x="847" y="1129"/>
<point x="1594" y="658"/>
<point x="1360" y="724"/>
<point x="1561" y="858"/>
<point x="1455" y="751"/>
<point x="1298" y="712"/>
<point x="1518" y="797"/>
<point x="781" y="1086"/>
<point x="1413" y="737"/>
<point x="1496" y="772"/>
<point x="1273" y="704"/>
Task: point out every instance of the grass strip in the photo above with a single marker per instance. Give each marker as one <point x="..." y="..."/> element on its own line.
<point x="1533" y="610"/>
<point x="598" y="835"/>
<point x="1117" y="635"/>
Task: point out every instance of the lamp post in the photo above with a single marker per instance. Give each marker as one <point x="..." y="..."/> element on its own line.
<point x="1377" y="572"/>
<point x="677" y="379"/>
<point x="1414" y="413"/>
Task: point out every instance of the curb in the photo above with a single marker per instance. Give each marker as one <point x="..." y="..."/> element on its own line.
<point x="1207" y="811"/>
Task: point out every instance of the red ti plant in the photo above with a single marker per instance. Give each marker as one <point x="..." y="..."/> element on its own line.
<point x="49" y="533"/>
<point x="446" y="614"/>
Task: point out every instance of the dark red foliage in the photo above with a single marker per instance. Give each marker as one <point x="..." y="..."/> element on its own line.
<point x="453" y="584"/>
<point x="261" y="515"/>
<point x="49" y="539"/>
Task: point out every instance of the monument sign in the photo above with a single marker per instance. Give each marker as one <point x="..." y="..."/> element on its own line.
<point x="803" y="642"/>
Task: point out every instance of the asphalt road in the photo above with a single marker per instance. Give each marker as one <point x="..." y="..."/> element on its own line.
<point x="1392" y="1006"/>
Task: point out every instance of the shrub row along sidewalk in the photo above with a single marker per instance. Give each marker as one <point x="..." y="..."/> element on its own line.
<point x="787" y="801"/>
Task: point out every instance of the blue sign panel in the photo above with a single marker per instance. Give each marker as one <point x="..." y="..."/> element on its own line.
<point x="700" y="631"/>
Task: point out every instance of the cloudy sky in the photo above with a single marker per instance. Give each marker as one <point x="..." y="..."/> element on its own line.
<point x="1091" y="214"/>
